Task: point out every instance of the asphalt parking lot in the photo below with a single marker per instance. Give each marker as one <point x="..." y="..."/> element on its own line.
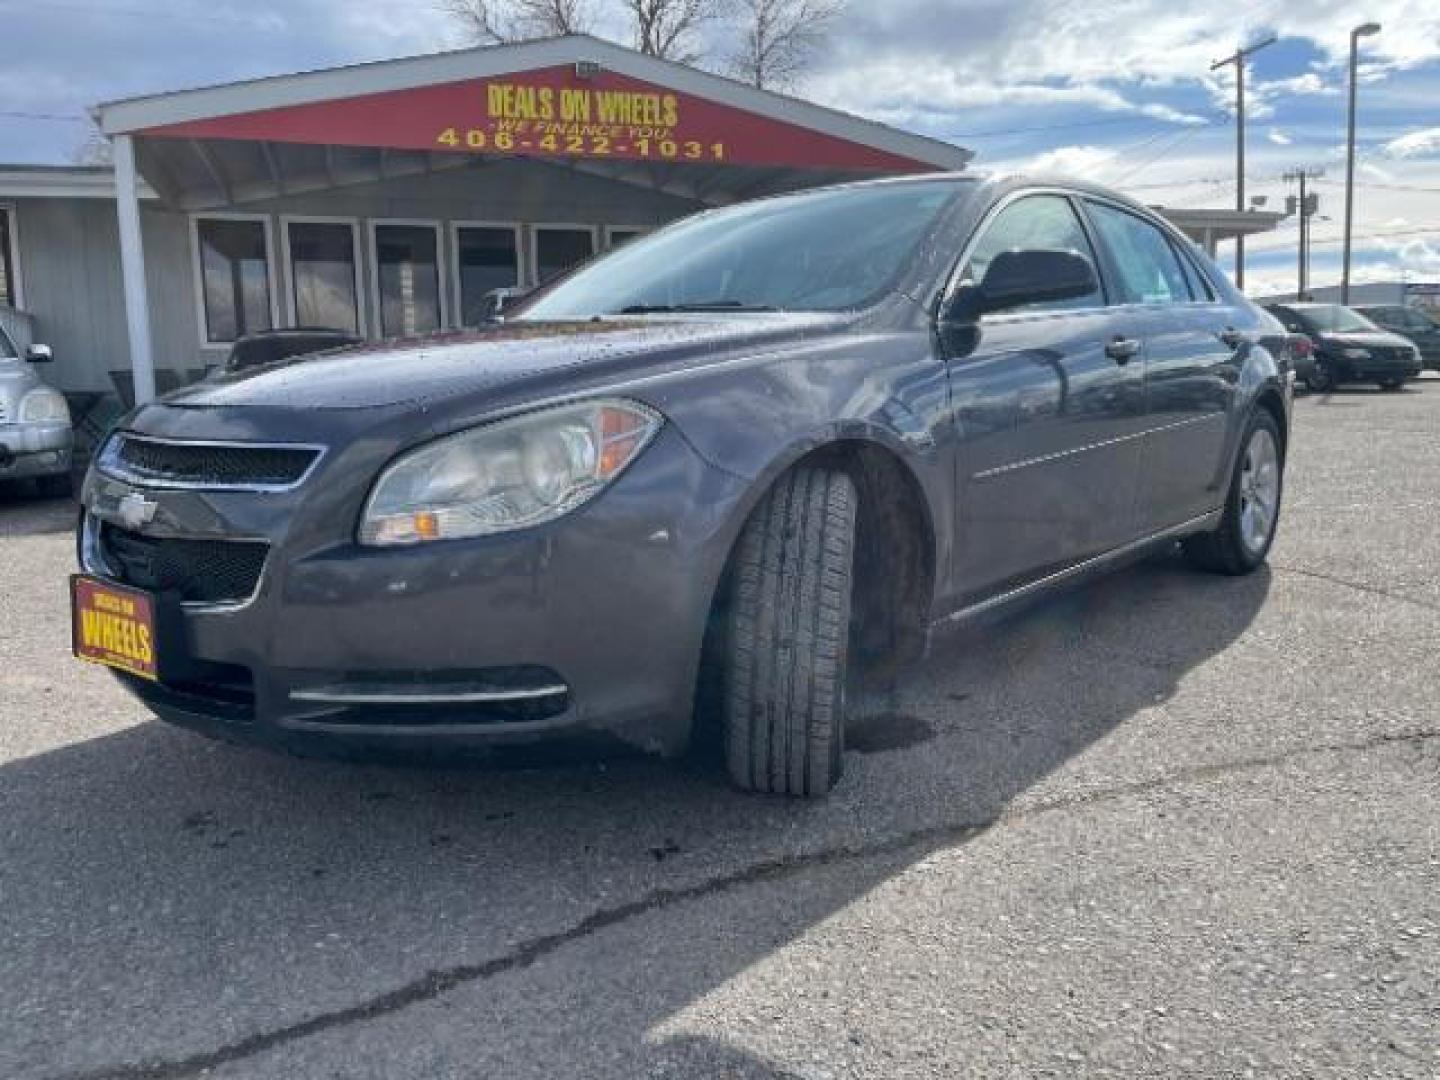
<point x="1165" y="825"/>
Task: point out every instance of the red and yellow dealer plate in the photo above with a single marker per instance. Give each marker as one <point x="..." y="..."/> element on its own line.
<point x="113" y="625"/>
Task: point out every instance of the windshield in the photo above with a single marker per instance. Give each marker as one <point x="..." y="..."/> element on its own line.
<point x="826" y="251"/>
<point x="1332" y="318"/>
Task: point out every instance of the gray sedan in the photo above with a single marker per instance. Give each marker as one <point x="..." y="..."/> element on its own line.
<point x="713" y="477"/>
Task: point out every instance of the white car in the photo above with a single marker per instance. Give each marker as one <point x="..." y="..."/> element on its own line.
<point x="36" y="438"/>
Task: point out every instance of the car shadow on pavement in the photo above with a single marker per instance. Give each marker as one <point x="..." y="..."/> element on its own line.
<point x="23" y="513"/>
<point x="186" y="904"/>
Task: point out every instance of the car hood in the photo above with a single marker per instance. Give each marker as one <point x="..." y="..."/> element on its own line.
<point x="1364" y="339"/>
<point x="448" y="366"/>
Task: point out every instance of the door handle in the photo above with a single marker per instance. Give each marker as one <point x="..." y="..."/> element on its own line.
<point x="1232" y="337"/>
<point x="1122" y="349"/>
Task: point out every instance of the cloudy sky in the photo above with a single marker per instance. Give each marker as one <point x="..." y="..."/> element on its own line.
<point x="1120" y="91"/>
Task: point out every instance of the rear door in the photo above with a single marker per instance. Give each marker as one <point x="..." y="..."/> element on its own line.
<point x="1049" y="403"/>
<point x="1192" y="360"/>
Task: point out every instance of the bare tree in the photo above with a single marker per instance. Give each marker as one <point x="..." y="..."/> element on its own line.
<point x="668" y="28"/>
<point x="499" y="22"/>
<point x="778" y="38"/>
<point x="94" y="150"/>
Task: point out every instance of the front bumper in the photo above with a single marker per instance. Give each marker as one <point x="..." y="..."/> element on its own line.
<point x="1348" y="370"/>
<point x="592" y="623"/>
<point x="35" y="450"/>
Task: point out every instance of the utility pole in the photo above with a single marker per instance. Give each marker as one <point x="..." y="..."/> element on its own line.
<point x="1238" y="59"/>
<point x="1305" y="206"/>
<point x="1363" y="30"/>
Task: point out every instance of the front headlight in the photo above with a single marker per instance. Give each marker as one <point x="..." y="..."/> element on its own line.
<point x="1356" y="354"/>
<point x="507" y="475"/>
<point x="44" y="406"/>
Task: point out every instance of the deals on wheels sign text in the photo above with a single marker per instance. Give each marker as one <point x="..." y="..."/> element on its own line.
<point x="554" y="112"/>
<point x="582" y="122"/>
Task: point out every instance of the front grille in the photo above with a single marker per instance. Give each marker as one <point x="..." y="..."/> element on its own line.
<point x="228" y="465"/>
<point x="201" y="571"/>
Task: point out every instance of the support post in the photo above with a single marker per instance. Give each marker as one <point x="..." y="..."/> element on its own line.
<point x="132" y="270"/>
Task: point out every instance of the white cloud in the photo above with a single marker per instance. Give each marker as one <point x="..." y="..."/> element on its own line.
<point x="1278" y="137"/>
<point x="1174" y="116"/>
<point x="1082" y="161"/>
<point x="1424" y="142"/>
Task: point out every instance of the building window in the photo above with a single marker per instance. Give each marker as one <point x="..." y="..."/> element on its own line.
<point x="487" y="257"/>
<point x="615" y="238"/>
<point x="407" y="271"/>
<point x="234" y="256"/>
<point x="9" y="270"/>
<point x="560" y="247"/>
<point x="323" y="287"/>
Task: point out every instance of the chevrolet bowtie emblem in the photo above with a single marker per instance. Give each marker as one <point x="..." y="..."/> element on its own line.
<point x="135" y="510"/>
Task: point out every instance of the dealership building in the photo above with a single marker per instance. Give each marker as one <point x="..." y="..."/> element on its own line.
<point x="389" y="199"/>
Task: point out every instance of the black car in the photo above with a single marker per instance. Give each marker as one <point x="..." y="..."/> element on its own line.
<point x="1349" y="347"/>
<point x="1413" y="324"/>
<point x="731" y="465"/>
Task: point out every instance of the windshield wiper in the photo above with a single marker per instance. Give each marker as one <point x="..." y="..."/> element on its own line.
<point x="707" y="305"/>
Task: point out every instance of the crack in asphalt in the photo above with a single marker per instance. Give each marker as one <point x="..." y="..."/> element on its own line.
<point x="437" y="983"/>
<point x="1358" y="586"/>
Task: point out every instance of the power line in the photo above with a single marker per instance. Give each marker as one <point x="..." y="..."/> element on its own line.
<point x="1419" y="230"/>
<point x="15" y="114"/>
<point x="230" y="18"/>
<point x="1384" y="186"/>
<point x="1064" y="127"/>
<point x="1180" y="137"/>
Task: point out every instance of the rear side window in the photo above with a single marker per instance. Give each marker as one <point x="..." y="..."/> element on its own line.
<point x="1149" y="269"/>
<point x="1036" y="222"/>
<point x="1199" y="287"/>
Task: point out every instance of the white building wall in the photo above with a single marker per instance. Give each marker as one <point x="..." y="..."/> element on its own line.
<point x="70" y="255"/>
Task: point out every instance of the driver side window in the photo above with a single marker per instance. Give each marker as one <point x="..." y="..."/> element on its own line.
<point x="1036" y="222"/>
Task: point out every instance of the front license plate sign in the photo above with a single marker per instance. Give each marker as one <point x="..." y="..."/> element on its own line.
<point x="113" y="625"/>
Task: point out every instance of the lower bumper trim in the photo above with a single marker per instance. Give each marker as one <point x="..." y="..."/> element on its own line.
<point x="427" y="695"/>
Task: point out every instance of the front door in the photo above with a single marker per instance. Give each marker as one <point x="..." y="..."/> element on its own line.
<point x="1049" y="405"/>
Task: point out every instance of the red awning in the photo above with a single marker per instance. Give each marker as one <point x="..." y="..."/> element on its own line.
<point x="550" y="112"/>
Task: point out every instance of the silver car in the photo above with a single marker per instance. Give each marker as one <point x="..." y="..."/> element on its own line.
<point x="36" y="438"/>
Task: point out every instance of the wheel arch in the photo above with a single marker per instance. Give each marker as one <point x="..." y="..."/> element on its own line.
<point x="898" y="548"/>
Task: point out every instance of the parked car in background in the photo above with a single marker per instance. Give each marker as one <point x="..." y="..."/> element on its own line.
<point x="270" y="346"/>
<point x="1349" y="347"/>
<point x="36" y="438"/>
<point x="741" y="460"/>
<point x="1413" y="324"/>
<point x="1302" y="356"/>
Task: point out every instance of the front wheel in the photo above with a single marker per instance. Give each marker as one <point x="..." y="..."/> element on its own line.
<point x="1321" y="379"/>
<point x="1240" y="543"/>
<point x="787" y="637"/>
<point x="1391" y="384"/>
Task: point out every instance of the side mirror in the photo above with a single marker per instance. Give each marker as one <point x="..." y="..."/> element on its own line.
<point x="1017" y="278"/>
<point x="40" y="354"/>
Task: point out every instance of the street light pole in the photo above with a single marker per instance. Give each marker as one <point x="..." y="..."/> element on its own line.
<point x="1238" y="59"/>
<point x="1363" y="30"/>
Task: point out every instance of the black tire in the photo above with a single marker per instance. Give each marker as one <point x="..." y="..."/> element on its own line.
<point x="1321" y="379"/>
<point x="786" y="639"/>
<point x="56" y="487"/>
<point x="1391" y="384"/>
<point x="1224" y="551"/>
